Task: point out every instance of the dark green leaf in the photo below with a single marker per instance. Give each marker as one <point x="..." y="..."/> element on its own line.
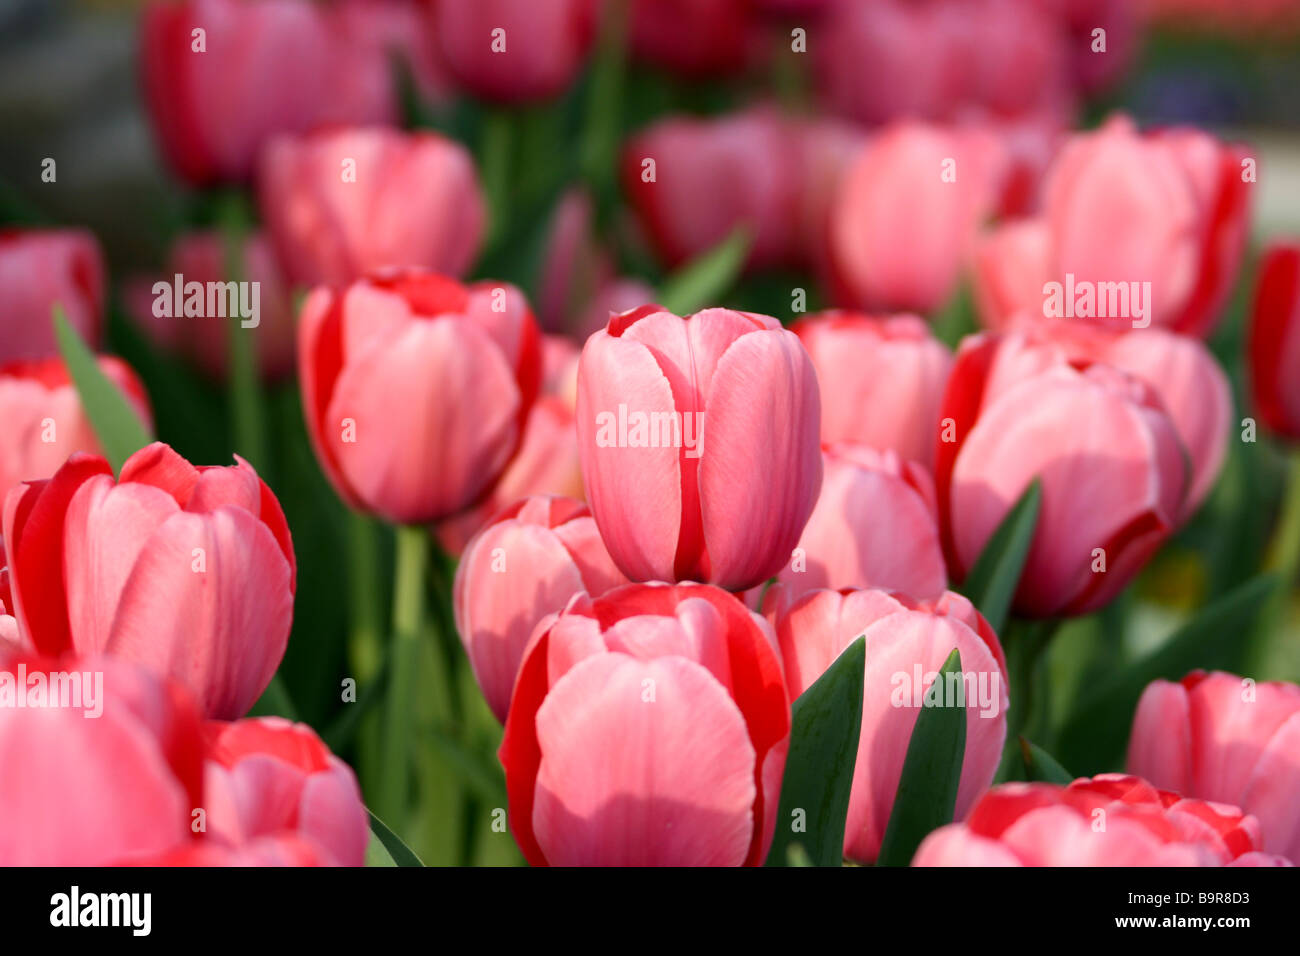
<point x="401" y="854"/>
<point x="992" y="582"/>
<point x="702" y="281"/>
<point x="1042" y="766"/>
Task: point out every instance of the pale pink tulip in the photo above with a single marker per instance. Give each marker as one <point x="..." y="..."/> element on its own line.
<point x="42" y="268"/>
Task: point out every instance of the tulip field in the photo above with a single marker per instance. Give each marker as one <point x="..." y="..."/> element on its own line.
<point x="639" y="433"/>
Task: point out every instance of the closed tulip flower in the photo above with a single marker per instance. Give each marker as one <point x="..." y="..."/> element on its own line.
<point x="694" y="38"/>
<point x="41" y="268"/>
<point x="534" y="556"/>
<point x="699" y="444"/>
<point x="648" y="726"/>
<point x="1105" y="450"/>
<point x="907" y="643"/>
<point x="1224" y="738"/>
<point x="1275" y="341"/>
<point x="44" y="420"/>
<point x="1042" y="824"/>
<point x="267" y="777"/>
<point x="187" y="571"/>
<point x="342" y="203"/>
<point x="881" y="380"/>
<point x="416" y="389"/>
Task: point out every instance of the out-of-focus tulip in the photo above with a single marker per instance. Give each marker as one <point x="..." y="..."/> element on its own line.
<point x="187" y="571"/>
<point x="400" y="29"/>
<point x="111" y="764"/>
<point x="280" y="850"/>
<point x="1094" y="69"/>
<point x="526" y="564"/>
<point x="342" y="203"/>
<point x="1108" y="456"/>
<point x="905" y="218"/>
<point x="514" y="51"/>
<point x="205" y="339"/>
<point x="907" y="643"/>
<point x="670" y="505"/>
<point x="1041" y="824"/>
<point x="1224" y="738"/>
<point x="881" y="380"/>
<point x="416" y="389"/>
<point x="269" y="777"/>
<point x="41" y="268"/>
<point x="648" y="727"/>
<point x="1275" y="340"/>
<point x="43" y="419"/>
<point x="257" y="68"/>
<point x="695" y="38"/>
<point x="875" y="526"/>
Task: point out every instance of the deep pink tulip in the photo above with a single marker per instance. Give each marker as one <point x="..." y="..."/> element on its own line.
<point x="416" y="389"/>
<point x="1274" y="353"/>
<point x="1108" y="455"/>
<point x="265" y="67"/>
<point x="41" y="268"/>
<point x="187" y="571"/>
<point x="881" y="380"/>
<point x="648" y="727"/>
<point x="267" y="777"/>
<point x="1041" y="824"/>
<point x="1223" y="738"/>
<point x="96" y="790"/>
<point x="43" y="419"/>
<point x="527" y="563"/>
<point x="514" y="51"/>
<point x="906" y="643"/>
<point x="342" y="203"/>
<point x="695" y="38"/>
<point x="671" y="506"/>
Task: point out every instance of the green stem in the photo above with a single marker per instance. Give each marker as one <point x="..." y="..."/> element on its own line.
<point x="1025" y="643"/>
<point x="1284" y="553"/>
<point x="365" y="650"/>
<point x="245" y="387"/>
<point x="494" y="162"/>
<point x="605" y="100"/>
<point x="1273" y="652"/>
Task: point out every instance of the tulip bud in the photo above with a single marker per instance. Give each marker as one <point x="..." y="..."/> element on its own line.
<point x="42" y="268"/>
<point x="1275" y="341"/>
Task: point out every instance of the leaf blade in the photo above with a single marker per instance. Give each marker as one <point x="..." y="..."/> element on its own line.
<point x="399" y="852"/>
<point x="992" y="581"/>
<point x="700" y="282"/>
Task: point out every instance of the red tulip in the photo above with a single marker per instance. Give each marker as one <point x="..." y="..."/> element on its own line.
<point x="534" y="556"/>
<point x="43" y="419"/>
<point x="906" y="643"/>
<point x="266" y="777"/>
<point x="1109" y="820"/>
<point x="187" y="571"/>
<point x="695" y="38"/>
<point x="1275" y="340"/>
<point x="94" y="789"/>
<point x="670" y="506"/>
<point x="346" y="202"/>
<point x="1224" y="738"/>
<point x="648" y="727"/>
<point x="881" y="380"/>
<point x="416" y="389"/>
<point x="42" y="268"/>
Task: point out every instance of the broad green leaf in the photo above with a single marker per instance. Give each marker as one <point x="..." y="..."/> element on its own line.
<point x="824" y="726"/>
<point x="398" y="852"/>
<point x="992" y="582"/>
<point x="1042" y="766"/>
<point x="927" y="789"/>
<point x="699" y="284"/>
<point x="116" y="424"/>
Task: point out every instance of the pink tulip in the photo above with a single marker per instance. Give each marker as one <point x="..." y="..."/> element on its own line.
<point x="187" y="571"/>
<point x="43" y="419"/>
<point x="267" y="777"/>
<point x="514" y="51"/>
<point x="648" y="726"/>
<point x="416" y="389"/>
<point x="341" y="203"/>
<point x="874" y="526"/>
<point x="669" y="505"/>
<point x="881" y="380"/>
<point x="399" y="30"/>
<point x="1275" y="340"/>
<point x="95" y="790"/>
<point x="1041" y="824"/>
<point x="42" y="268"/>
<point x="1224" y="738"/>
<point x="276" y="851"/>
<point x="1108" y="456"/>
<point x="906" y="644"/>
<point x="259" y="67"/>
<point x="532" y="558"/>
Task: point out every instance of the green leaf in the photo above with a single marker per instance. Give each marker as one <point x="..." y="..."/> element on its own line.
<point x="119" y="429"/>
<point x="398" y="852"/>
<point x="1042" y="766"/>
<point x="700" y="283"/>
<point x="1095" y="734"/>
<point x="927" y="788"/>
<point x="824" y="727"/>
<point x="992" y="582"/>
